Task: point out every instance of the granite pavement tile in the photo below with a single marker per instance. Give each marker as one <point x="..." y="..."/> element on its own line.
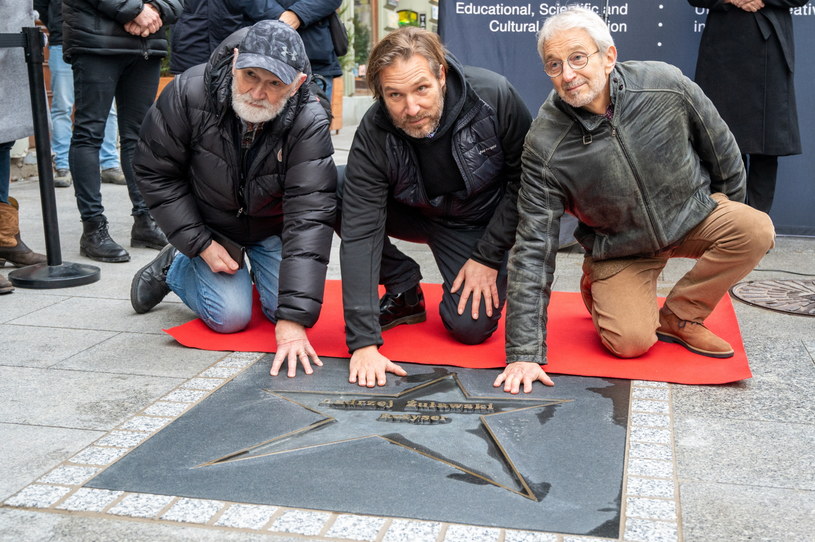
<point x="246" y="516"/>
<point x="106" y="315"/>
<point x="754" y="453"/>
<point x="38" y="496"/>
<point x="407" y="530"/>
<point x="783" y="377"/>
<point x="75" y="399"/>
<point x="29" y="451"/>
<point x="643" y="530"/>
<point x="471" y="533"/>
<point x="131" y="353"/>
<point x="662" y="488"/>
<point x="35" y="526"/>
<point x="726" y="512"/>
<point x="528" y="536"/>
<point x="810" y="346"/>
<point x="770" y="325"/>
<point x="35" y="346"/>
<point x="141" y="505"/>
<point x="305" y="522"/>
<point x="192" y="510"/>
<point x="90" y="500"/>
<point x="23" y="302"/>
<point x="355" y="527"/>
<point x="69" y="475"/>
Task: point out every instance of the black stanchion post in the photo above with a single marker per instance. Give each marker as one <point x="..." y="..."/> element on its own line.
<point x="55" y="273"/>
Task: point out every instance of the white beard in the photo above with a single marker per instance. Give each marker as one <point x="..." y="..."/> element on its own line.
<point x="246" y="107"/>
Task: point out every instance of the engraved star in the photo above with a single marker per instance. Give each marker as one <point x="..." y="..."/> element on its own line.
<point x="437" y="419"/>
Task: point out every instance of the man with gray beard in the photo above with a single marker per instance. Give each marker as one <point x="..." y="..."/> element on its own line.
<point x="234" y="162"/>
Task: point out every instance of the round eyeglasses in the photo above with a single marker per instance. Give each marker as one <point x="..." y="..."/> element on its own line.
<point x="577" y="60"/>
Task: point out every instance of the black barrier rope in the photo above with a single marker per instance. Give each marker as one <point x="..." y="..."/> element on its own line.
<point x="54" y="273"/>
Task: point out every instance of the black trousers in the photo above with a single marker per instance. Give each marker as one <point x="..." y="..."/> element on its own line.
<point x="98" y="79"/>
<point x="762" y="170"/>
<point x="451" y="248"/>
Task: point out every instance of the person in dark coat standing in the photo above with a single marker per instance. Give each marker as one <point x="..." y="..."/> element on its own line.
<point x="748" y="45"/>
<point x="237" y="153"/>
<point x="204" y="24"/>
<point x="115" y="49"/>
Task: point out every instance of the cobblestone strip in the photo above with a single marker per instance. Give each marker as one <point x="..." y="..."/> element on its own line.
<point x="650" y="496"/>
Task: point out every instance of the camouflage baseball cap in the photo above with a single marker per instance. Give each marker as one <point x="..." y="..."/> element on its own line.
<point x="275" y="47"/>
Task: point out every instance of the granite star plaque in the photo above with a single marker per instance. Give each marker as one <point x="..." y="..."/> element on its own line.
<point x="439" y="444"/>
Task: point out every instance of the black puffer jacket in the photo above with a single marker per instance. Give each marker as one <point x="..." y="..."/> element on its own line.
<point x="97" y="27"/>
<point x="188" y="167"/>
<point x="490" y="122"/>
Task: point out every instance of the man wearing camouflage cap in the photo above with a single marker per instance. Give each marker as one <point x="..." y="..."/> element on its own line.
<point x="236" y="154"/>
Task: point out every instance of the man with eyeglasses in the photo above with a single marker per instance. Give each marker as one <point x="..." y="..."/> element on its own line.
<point x="641" y="157"/>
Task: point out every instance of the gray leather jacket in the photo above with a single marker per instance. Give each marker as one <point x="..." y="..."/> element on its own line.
<point x="638" y="183"/>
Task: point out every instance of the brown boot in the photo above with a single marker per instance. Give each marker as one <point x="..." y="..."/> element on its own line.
<point x="12" y="248"/>
<point x="692" y="335"/>
<point x="5" y="286"/>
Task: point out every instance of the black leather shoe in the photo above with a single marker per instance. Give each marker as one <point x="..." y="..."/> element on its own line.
<point x="149" y="285"/>
<point x="404" y="308"/>
<point x="96" y="243"/>
<point x="146" y="233"/>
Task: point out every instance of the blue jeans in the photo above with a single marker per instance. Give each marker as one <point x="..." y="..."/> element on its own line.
<point x="98" y="79"/>
<point x="329" y="88"/>
<point x="62" y="105"/>
<point x="224" y="301"/>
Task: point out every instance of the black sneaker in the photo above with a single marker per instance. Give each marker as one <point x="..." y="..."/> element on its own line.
<point x="149" y="285"/>
<point x="404" y="308"/>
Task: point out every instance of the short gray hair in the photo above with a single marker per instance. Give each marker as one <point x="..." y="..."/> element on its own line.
<point x="576" y="17"/>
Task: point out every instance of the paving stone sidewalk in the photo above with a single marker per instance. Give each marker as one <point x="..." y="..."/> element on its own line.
<point x="83" y="380"/>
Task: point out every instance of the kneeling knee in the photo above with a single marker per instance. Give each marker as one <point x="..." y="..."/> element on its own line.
<point x="227" y="322"/>
<point x="468" y="331"/>
<point x="628" y="346"/>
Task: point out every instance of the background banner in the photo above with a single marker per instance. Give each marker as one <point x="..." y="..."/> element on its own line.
<point x="501" y="36"/>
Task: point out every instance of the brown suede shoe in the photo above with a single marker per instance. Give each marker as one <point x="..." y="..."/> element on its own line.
<point x="692" y="335"/>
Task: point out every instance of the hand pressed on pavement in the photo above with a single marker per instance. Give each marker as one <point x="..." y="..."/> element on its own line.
<point x="368" y="367"/>
<point x="293" y="346"/>
<point x="522" y="373"/>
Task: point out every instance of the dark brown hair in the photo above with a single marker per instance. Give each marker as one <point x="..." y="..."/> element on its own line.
<point x="403" y="44"/>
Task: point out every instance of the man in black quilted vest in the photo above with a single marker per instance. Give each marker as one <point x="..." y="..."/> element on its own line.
<point x="436" y="160"/>
<point x="236" y="156"/>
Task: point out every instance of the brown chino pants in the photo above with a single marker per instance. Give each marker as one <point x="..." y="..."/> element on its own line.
<point x="621" y="293"/>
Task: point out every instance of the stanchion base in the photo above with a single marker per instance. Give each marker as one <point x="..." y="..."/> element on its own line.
<point x="42" y="276"/>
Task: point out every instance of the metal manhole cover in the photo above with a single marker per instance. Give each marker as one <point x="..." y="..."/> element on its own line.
<point x="790" y="296"/>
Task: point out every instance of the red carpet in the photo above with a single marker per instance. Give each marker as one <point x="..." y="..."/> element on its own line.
<point x="574" y="347"/>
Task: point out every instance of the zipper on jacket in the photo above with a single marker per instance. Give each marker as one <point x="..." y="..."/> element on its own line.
<point x="653" y="223"/>
<point x="240" y="192"/>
